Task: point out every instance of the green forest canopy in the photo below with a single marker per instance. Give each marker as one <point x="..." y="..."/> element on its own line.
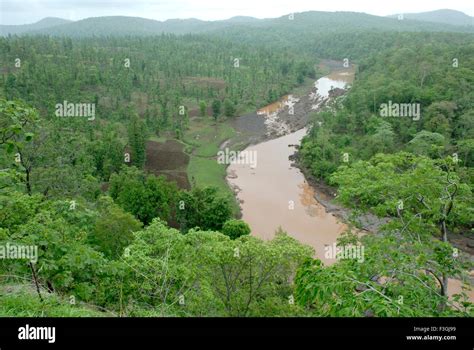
<point x="142" y="247"/>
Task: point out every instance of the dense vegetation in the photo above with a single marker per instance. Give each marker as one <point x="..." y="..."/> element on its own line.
<point x="435" y="72"/>
<point x="289" y="26"/>
<point x="141" y="88"/>
<point x="155" y="75"/>
<point x="51" y="186"/>
<point x="113" y="239"/>
<point x="416" y="170"/>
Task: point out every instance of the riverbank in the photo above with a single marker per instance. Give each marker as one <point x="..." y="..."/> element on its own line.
<point x="325" y="195"/>
<point x="275" y="188"/>
<point x="269" y="122"/>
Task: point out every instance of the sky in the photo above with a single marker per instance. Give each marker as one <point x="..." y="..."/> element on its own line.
<point x="30" y="11"/>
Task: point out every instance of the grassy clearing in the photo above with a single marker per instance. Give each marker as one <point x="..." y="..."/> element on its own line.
<point x="205" y="136"/>
<point x="203" y="140"/>
<point x="207" y="172"/>
<point x="204" y="172"/>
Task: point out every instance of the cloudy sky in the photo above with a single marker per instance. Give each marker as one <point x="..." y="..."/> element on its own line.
<point x="29" y="11"/>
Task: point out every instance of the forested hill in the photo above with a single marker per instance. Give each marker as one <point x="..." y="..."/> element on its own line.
<point x="48" y="22"/>
<point x="304" y="22"/>
<point x="452" y="17"/>
<point x="126" y="26"/>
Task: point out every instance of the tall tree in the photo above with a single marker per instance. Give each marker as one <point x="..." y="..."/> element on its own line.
<point x="137" y="136"/>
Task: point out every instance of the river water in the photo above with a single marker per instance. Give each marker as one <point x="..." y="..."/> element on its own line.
<point x="275" y="194"/>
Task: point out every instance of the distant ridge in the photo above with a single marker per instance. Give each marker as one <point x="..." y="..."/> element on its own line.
<point x="312" y="21"/>
<point x="445" y="16"/>
<point x="47" y="22"/>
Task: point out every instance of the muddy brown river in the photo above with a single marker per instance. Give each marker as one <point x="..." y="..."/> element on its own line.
<point x="275" y="194"/>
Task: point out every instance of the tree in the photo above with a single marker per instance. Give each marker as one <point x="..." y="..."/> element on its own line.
<point x="17" y="208"/>
<point x="64" y="262"/>
<point x="318" y="152"/>
<point x="248" y="276"/>
<point x="466" y="152"/>
<point x="235" y="228"/>
<point x="216" y="109"/>
<point x="203" y="208"/>
<point x="202" y="108"/>
<point x="424" y="197"/>
<point x="113" y="229"/>
<point x="144" y="196"/>
<point x="56" y="163"/>
<point x="439" y="116"/>
<point x="382" y="141"/>
<point x="393" y="280"/>
<point x="427" y="143"/>
<point x="137" y="139"/>
<point x="207" y="273"/>
<point x="229" y="108"/>
<point x="108" y="154"/>
<point x="15" y="116"/>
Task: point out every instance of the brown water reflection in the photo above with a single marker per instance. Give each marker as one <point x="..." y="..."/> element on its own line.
<point x="274" y="194"/>
<point x="273" y="107"/>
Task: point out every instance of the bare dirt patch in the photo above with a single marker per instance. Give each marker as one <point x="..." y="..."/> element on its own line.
<point x="168" y="159"/>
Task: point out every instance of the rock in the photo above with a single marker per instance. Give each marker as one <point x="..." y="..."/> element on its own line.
<point x="369" y="313"/>
<point x="361" y="287"/>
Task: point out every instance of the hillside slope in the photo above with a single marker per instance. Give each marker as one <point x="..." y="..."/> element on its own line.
<point x="307" y="22"/>
<point x="450" y="17"/>
<point x="45" y="23"/>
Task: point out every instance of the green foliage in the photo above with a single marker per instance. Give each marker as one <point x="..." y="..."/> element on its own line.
<point x="206" y="273"/>
<point x="398" y="277"/>
<point x="235" y="228"/>
<point x="202" y="108"/>
<point x="404" y="185"/>
<point x="108" y="154"/>
<point x="427" y="144"/>
<point x="17" y="208"/>
<point x="56" y="163"/>
<point x="161" y="74"/>
<point x="144" y="196"/>
<point x="27" y="304"/>
<point x="137" y="137"/>
<point x="203" y="208"/>
<point x="422" y="72"/>
<point x="229" y="108"/>
<point x="406" y="270"/>
<point x="216" y="108"/>
<point x="94" y="248"/>
<point x="64" y="261"/>
<point x="113" y="229"/>
<point x="15" y="116"/>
